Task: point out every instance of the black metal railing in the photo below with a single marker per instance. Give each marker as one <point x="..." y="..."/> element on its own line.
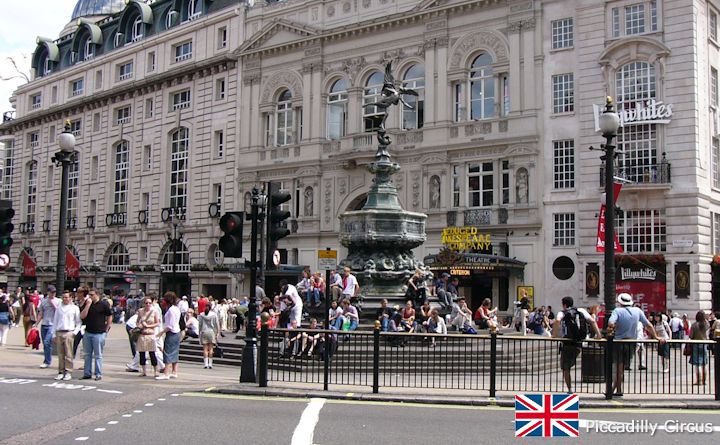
<point x="116" y="219"/>
<point x="46" y="225"/>
<point x="641" y="174"/>
<point x="489" y="363"/>
<point x="214" y="209"/>
<point x="143" y="216"/>
<point x="90" y="222"/>
<point x="27" y="227"/>
<point x="71" y="223"/>
<point x="168" y="213"/>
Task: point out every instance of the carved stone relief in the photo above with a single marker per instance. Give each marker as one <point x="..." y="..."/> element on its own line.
<point x="480" y="39"/>
<point x="327" y="201"/>
<point x="416" y="189"/>
<point x="282" y="79"/>
<point x="435" y="192"/>
<point x="521" y="185"/>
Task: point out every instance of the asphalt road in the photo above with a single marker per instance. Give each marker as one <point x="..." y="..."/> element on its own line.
<point x="176" y="418"/>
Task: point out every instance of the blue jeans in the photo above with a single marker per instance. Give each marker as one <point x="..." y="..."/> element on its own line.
<point x="315" y="292"/>
<point x="46" y="333"/>
<point x="93" y="345"/>
<point x="384" y="322"/>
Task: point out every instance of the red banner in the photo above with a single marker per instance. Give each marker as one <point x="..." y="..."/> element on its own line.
<point x="600" y="244"/>
<point x="28" y="265"/>
<point x="72" y="265"/>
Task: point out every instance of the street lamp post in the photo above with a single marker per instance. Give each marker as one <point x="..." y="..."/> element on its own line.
<point x="609" y="124"/>
<point x="65" y="157"/>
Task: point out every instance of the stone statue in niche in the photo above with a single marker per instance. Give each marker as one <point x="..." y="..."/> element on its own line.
<point x="247" y="203"/>
<point x="308" y="201"/>
<point x="521" y="186"/>
<point x="434" y="192"/>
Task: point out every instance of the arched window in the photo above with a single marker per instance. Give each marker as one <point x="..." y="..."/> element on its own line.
<point x="413" y="118"/>
<point x="635" y="83"/>
<point x="194" y="9"/>
<point x="372" y="116"/>
<point x="137" y="31"/>
<point x="180" y="254"/>
<point x="337" y="110"/>
<point x="180" y="141"/>
<point x="482" y="88"/>
<point x="122" y="156"/>
<point x="284" y="119"/>
<point x="89" y="49"/>
<point x="118" y="259"/>
<point x="31" y="200"/>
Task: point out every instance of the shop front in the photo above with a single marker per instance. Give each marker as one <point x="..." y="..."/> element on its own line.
<point x="643" y="277"/>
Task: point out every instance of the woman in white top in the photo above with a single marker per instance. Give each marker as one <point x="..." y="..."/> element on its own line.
<point x="662" y="328"/>
<point x="171" y="351"/>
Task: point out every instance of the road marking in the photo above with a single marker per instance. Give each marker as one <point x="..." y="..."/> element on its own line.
<point x="81" y="439"/>
<point x="305" y="430"/>
<point x="149" y="404"/>
<point x="113" y="422"/>
<point x="17" y="381"/>
<point x="99" y="430"/>
<point x="174" y="395"/>
<point x="138" y="411"/>
<point x="161" y="400"/>
<point x="127" y="415"/>
<point x="109" y="391"/>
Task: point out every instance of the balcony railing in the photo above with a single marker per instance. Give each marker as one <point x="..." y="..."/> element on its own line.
<point x="71" y="223"/>
<point x="90" y="222"/>
<point x="168" y="213"/>
<point x="117" y="268"/>
<point x="27" y="227"/>
<point x="143" y="216"/>
<point x="179" y="268"/>
<point x="641" y="174"/>
<point x="116" y="219"/>
<point x="46" y="225"/>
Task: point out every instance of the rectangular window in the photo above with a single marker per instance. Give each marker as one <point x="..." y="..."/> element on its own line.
<point x="183" y="51"/>
<point x="34" y="139"/>
<point x="77" y="87"/>
<point x="72" y="201"/>
<point x="51" y="133"/>
<point x="458" y="109"/>
<point x="456" y="185"/>
<point x="716" y="233"/>
<point x="122" y="115"/>
<point x="563" y="93"/>
<point x="635" y="19"/>
<point x="147" y="158"/>
<point x="151" y="61"/>
<point x="642" y="230"/>
<point x="8" y="168"/>
<point x="36" y="101"/>
<point x="50" y="177"/>
<point x="563" y="229"/>
<point x="713" y="25"/>
<point x="268" y="129"/>
<point x="564" y="164"/>
<point x="653" y="16"/>
<point x="91" y="254"/>
<point x="120" y="195"/>
<point x="181" y="99"/>
<point x="217" y="195"/>
<point x="149" y="108"/>
<point x="76" y="127"/>
<point x="616" y="22"/>
<point x="220" y="89"/>
<point x="53" y="95"/>
<point x="94" y="168"/>
<point x="145" y="202"/>
<point x="96" y="122"/>
<point x="31" y="196"/>
<point x="505" y="186"/>
<point x="715" y="163"/>
<point x="480" y="185"/>
<point x="144" y="254"/>
<point x="98" y="80"/>
<point x="125" y="71"/>
<point x="562" y="33"/>
<point x="222" y="37"/>
<point x="713" y="87"/>
<point x="219" y="144"/>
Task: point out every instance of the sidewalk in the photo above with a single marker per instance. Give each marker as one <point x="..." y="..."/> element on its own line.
<point x="18" y="360"/>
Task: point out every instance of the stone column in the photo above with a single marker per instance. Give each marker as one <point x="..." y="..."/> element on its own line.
<point x="444" y="88"/>
<point x="529" y="80"/>
<point x="515" y="92"/>
<point x="430" y="84"/>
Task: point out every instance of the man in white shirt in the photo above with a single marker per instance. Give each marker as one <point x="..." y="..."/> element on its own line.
<point x="350" y="285"/>
<point x="66" y="323"/>
<point x="297" y="305"/>
<point x="183" y="305"/>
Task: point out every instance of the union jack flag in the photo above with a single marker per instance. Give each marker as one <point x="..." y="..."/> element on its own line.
<point x="547" y="415"/>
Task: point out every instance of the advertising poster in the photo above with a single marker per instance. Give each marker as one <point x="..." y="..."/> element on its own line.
<point x="646" y="282"/>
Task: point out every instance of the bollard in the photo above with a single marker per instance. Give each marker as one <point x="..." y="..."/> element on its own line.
<point x="609" y="364"/>
<point x="263" y="352"/>
<point x="493" y="359"/>
<point x="717" y="363"/>
<point x="376" y="358"/>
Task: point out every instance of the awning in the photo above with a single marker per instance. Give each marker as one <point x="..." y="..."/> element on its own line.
<point x="472" y="261"/>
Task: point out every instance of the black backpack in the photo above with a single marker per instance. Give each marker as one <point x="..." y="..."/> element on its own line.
<point x="575" y="324"/>
<point x="183" y="324"/>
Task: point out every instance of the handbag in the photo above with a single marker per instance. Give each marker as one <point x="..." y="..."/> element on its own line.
<point x="687" y="350"/>
<point x="135" y="334"/>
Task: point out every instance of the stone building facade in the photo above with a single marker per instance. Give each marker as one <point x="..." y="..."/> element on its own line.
<point x="497" y="140"/>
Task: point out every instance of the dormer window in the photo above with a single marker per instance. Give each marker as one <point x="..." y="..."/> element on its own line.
<point x="48" y="67"/>
<point x="137" y="29"/>
<point x="89" y="49"/>
<point x="194" y="9"/>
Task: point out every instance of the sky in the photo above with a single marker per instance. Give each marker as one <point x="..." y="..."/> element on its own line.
<point x="21" y="22"/>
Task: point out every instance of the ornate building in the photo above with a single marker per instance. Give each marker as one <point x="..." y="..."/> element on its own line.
<point x="182" y="106"/>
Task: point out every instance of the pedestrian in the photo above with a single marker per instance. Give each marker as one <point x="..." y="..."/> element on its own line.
<point x="171" y="349"/>
<point x="295" y="305"/>
<point x="676" y="328"/>
<point x="336" y="286"/>
<point x="192" y="329"/>
<point x="382" y="315"/>
<point x="350" y="316"/>
<point x="520" y="317"/>
<point x="130" y="325"/>
<point x="46" y="314"/>
<point x="98" y="321"/>
<point x="209" y="329"/>
<point x="485" y="318"/>
<point x="441" y="290"/>
<point x="17" y="305"/>
<point x="662" y="328"/>
<point x="147" y="321"/>
<point x="29" y="316"/>
<point x="699" y="355"/>
<point x="66" y="323"/>
<point x="571" y="324"/>
<point x="80" y="295"/>
<point x="6" y="318"/>
<point x="640" y="347"/>
<point x="623" y="322"/>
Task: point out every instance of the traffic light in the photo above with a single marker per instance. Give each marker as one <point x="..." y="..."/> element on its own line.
<point x="6" y="226"/>
<point x="231" y="224"/>
<point x="276" y="216"/>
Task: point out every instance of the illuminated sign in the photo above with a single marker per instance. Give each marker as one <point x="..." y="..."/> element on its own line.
<point x="460" y="272"/>
<point x="465" y="238"/>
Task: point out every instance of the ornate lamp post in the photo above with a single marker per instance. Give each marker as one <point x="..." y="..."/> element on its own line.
<point x="609" y="124"/>
<point x="65" y="157"/>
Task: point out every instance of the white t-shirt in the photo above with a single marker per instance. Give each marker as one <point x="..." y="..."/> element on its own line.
<point x="350" y="283"/>
<point x="561" y="314"/>
<point x="296" y="311"/>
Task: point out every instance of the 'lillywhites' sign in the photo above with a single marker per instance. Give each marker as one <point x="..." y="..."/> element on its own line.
<point x="648" y="112"/>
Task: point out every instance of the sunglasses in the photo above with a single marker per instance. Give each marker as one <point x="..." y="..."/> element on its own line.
<point x="148" y="303"/>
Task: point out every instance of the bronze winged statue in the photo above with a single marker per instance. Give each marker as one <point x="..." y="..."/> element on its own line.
<point x="390" y="95"/>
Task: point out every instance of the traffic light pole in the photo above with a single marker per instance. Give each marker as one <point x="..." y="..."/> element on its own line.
<point x="247" y="370"/>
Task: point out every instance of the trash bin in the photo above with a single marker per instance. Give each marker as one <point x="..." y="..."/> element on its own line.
<point x="593" y="363"/>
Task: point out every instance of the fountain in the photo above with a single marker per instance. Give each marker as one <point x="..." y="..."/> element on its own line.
<point x="381" y="236"/>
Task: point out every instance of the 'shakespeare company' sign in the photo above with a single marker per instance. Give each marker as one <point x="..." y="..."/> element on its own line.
<point x="648" y="112"/>
<point x="465" y="239"/>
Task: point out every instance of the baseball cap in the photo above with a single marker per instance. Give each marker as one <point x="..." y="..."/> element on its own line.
<point x="445" y="275"/>
<point x="52" y="288"/>
<point x="624" y="299"/>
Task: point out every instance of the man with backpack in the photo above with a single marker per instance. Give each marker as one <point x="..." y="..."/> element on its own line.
<point x="572" y="323"/>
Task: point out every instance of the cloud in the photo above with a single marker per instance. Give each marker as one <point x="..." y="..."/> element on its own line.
<point x="21" y="23"/>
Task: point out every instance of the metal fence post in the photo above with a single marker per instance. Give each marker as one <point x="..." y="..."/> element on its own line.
<point x="609" y="365"/>
<point x="376" y="358"/>
<point x="326" y="360"/>
<point x="717" y="363"/>
<point x="263" y="352"/>
<point x="493" y="359"/>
